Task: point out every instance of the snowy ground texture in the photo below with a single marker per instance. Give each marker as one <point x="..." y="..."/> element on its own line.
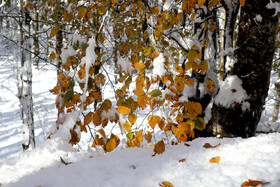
<point x="255" y="158"/>
<point x="48" y="165"/>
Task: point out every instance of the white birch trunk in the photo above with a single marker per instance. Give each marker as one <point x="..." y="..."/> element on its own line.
<point x="25" y="85"/>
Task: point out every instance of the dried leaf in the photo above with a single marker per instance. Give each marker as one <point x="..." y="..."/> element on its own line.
<point x="250" y="183"/>
<point x="182" y="160"/>
<point x="54" y="31"/>
<point x="159" y="147"/>
<point x="63" y="161"/>
<point x="139" y="136"/>
<point x="139" y="66"/>
<point x="207" y="145"/>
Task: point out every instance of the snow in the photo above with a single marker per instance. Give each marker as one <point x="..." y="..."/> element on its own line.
<point x="258" y="18"/>
<point x="125" y="65"/>
<point x="254" y="158"/>
<point x="231" y="92"/>
<point x="159" y="67"/>
<point x="274" y="5"/>
<point x="65" y="53"/>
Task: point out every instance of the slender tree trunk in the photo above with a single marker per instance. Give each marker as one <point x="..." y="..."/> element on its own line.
<point x="35" y="31"/>
<point x="25" y="88"/>
<point x="256" y="44"/>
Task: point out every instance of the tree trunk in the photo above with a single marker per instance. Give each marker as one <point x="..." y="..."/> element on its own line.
<point x="25" y="88"/>
<point x="35" y="37"/>
<point x="256" y="42"/>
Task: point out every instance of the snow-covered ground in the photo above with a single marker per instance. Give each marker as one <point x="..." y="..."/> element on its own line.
<point x="256" y="158"/>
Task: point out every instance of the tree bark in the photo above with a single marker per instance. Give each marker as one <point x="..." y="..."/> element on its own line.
<point x="35" y="31"/>
<point x="256" y="42"/>
<point x="25" y="88"/>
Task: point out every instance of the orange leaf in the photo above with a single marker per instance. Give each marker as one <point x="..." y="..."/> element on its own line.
<point x="179" y="84"/>
<point x="123" y="110"/>
<point x="182" y="160"/>
<point x="88" y="118"/>
<point x="242" y="2"/>
<point x="251" y="183"/>
<point x="210" y="85"/>
<point x="200" y="2"/>
<point x="148" y="136"/>
<point x="178" y="68"/>
<point x="156" y="55"/>
<point x="215" y="159"/>
<point x="159" y="147"/>
<point x="54" y="31"/>
<point x="139" y="136"/>
<point x="139" y="92"/>
<point x="52" y="56"/>
<point x="166" y="184"/>
<point x="139" y="66"/>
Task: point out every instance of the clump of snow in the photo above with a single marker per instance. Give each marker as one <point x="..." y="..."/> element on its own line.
<point x="189" y="91"/>
<point x="159" y="66"/>
<point x="274" y="5"/>
<point x="79" y="38"/>
<point x="231" y="92"/>
<point x="125" y="65"/>
<point x="65" y="53"/>
<point x="64" y="130"/>
<point x="167" y="5"/>
<point x="208" y="112"/>
<point x="258" y="18"/>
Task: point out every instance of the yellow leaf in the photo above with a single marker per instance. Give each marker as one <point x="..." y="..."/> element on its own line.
<point x="111" y="145"/>
<point x="166" y="184"/>
<point x="153" y="120"/>
<point x="123" y="110"/>
<point x="178" y="68"/>
<point x="155" y="10"/>
<point x="127" y="126"/>
<point x="132" y="118"/>
<point x="203" y="66"/>
<point x="201" y="2"/>
<point x="54" y="31"/>
<point x="147" y="51"/>
<point x="188" y="82"/>
<point x="210" y="85"/>
<point x="242" y="2"/>
<point x="139" y="66"/>
<point x="179" y="84"/>
<point x="101" y="10"/>
<point x="139" y="136"/>
<point x="215" y="159"/>
<point x="139" y="92"/>
<point x="159" y="147"/>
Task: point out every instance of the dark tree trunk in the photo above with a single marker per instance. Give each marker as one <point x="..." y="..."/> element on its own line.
<point x="256" y="42"/>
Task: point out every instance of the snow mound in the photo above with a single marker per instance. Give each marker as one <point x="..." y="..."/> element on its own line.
<point x="254" y="158"/>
